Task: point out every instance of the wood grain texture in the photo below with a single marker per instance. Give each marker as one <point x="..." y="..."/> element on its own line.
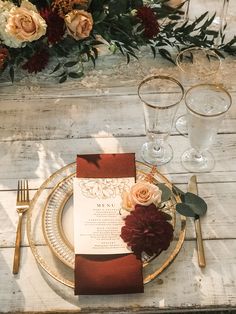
<point x="42" y="128"/>
<point x="183" y="285"/>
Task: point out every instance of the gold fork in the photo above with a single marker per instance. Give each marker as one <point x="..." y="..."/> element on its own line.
<point x="22" y="204"/>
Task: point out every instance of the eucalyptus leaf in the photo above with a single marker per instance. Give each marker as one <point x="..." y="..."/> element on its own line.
<point x="63" y="79"/>
<point x="75" y="75"/>
<point x="178" y="192"/>
<point x="185" y="210"/>
<point x="70" y="64"/>
<point x="57" y="67"/>
<point x="166" y="192"/>
<point x="62" y="74"/>
<point x="197" y="204"/>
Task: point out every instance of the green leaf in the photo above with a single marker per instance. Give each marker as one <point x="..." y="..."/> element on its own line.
<point x="58" y="66"/>
<point x="197" y="204"/>
<point x="12" y="73"/>
<point x="219" y="54"/>
<point x="70" y="64"/>
<point x="99" y="17"/>
<point x="62" y="74"/>
<point x="75" y="75"/>
<point x="165" y="54"/>
<point x="63" y="79"/>
<point x="166" y="192"/>
<point x="185" y="210"/>
<point x="95" y="52"/>
<point x="153" y="51"/>
<point x="117" y="7"/>
<point x="178" y="192"/>
<point x="128" y="57"/>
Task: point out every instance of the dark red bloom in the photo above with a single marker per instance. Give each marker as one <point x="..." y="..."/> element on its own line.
<point x="149" y="21"/>
<point x="37" y="61"/>
<point x="4" y="54"/>
<point x="147" y="230"/>
<point x="55" y="25"/>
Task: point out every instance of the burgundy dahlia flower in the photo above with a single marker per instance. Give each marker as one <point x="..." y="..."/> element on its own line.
<point x="37" y="62"/>
<point x="147" y="230"/>
<point x="149" y="21"/>
<point x="55" y="25"/>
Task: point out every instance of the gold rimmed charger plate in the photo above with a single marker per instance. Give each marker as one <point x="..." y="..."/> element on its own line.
<point x="48" y="235"/>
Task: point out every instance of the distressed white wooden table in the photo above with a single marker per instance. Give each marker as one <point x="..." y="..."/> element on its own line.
<point x="43" y="127"/>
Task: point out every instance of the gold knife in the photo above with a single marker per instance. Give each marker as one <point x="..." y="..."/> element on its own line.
<point x="192" y="187"/>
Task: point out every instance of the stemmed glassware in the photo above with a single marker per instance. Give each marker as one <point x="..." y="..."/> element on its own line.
<point x="218" y="11"/>
<point x="196" y="65"/>
<point x="160" y="96"/>
<point x="206" y="105"/>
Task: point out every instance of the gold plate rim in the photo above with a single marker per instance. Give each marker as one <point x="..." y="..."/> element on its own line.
<point x="69" y="283"/>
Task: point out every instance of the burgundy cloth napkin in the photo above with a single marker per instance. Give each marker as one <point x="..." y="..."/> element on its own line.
<point x="107" y="274"/>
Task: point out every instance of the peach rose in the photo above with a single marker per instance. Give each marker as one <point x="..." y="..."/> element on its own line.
<point x="25" y="24"/>
<point x="143" y="193"/>
<point x="79" y="24"/>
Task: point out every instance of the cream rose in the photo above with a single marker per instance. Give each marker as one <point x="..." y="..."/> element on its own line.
<point x="79" y="24"/>
<point x="24" y="23"/>
<point x="143" y="193"/>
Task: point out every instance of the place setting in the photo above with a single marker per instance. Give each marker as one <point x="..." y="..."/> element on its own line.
<point x="50" y="231"/>
<point x="110" y="224"/>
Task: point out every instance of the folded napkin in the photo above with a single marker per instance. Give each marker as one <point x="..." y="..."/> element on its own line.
<point x="107" y="274"/>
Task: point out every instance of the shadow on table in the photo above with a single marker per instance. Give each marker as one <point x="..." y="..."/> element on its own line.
<point x="11" y="295"/>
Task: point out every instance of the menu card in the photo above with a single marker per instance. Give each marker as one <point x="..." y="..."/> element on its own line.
<point x="97" y="205"/>
<point x="102" y="262"/>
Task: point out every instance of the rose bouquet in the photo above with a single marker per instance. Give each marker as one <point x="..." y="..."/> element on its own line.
<point x="33" y="32"/>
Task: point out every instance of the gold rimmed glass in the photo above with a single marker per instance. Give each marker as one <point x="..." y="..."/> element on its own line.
<point x="160" y="96"/>
<point x="196" y="65"/>
<point x="218" y="12"/>
<point x="206" y="106"/>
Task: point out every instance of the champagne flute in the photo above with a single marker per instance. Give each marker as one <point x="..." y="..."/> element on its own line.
<point x="206" y="105"/>
<point x="160" y="96"/>
<point x="196" y="65"/>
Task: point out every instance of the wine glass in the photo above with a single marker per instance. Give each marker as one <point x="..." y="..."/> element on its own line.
<point x="218" y="12"/>
<point x="160" y="96"/>
<point x="206" y="105"/>
<point x="196" y="65"/>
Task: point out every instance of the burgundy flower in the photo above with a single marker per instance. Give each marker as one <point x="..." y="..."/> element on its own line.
<point x="4" y="54"/>
<point x="55" y="25"/>
<point x="149" y="21"/>
<point x="37" y="61"/>
<point x="147" y="230"/>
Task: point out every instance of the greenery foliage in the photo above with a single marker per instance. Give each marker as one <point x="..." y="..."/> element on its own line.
<point x="122" y="25"/>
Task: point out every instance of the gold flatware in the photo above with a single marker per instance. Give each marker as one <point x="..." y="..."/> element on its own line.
<point x="192" y="187"/>
<point x="22" y="204"/>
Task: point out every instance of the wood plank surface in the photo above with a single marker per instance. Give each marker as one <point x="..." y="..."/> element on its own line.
<point x="42" y="128"/>
<point x="181" y="286"/>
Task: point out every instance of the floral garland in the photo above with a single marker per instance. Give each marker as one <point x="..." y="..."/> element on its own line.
<point x="34" y="32"/>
